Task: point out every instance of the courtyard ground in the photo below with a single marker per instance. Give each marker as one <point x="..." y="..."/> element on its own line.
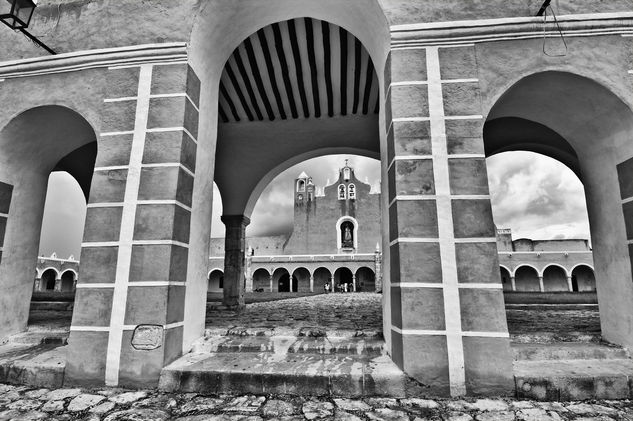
<point x="362" y="311"/>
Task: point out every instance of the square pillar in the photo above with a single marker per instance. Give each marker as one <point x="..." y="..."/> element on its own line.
<point x="129" y="307"/>
<point x="449" y="327"/>
<point x="234" y="260"/>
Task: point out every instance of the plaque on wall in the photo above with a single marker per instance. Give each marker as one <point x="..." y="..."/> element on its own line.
<point x="147" y="337"/>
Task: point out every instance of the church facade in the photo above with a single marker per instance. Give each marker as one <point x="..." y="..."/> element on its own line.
<point x="335" y="240"/>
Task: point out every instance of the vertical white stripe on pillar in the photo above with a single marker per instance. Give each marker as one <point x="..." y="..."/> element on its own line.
<point x="124" y="258"/>
<point x="452" y="309"/>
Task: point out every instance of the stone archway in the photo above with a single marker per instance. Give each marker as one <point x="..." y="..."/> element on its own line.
<point x="583" y="278"/>
<point x="33" y="144"/>
<point x="526" y="279"/>
<point x="580" y="122"/>
<point x="555" y="278"/>
<point x="215" y="36"/>
<point x="49" y="276"/>
<point x="68" y="278"/>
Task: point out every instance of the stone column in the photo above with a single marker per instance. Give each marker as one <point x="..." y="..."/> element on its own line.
<point x="37" y="286"/>
<point x="311" y="283"/>
<point x="513" y="282"/>
<point x="129" y="307"/>
<point x="234" y="260"/>
<point x="271" y="282"/>
<point x="449" y="327"/>
<point x="58" y="285"/>
<point x="541" y="285"/>
<point x="353" y="282"/>
<point x="570" y="284"/>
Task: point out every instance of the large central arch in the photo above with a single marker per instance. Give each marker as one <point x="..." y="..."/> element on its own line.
<point x="219" y="30"/>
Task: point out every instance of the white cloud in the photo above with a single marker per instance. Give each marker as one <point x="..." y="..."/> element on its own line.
<point x="536" y="196"/>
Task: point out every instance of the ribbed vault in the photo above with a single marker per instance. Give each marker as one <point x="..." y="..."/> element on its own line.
<point x="299" y="68"/>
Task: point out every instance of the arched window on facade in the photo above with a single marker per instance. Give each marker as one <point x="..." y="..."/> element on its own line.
<point x="301" y="185"/>
<point x="341" y="192"/>
<point x="351" y="190"/>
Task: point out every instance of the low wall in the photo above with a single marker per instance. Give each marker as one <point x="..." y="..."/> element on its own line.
<point x="550" y="297"/>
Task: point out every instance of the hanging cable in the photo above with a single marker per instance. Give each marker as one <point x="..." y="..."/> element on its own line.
<point x="543" y="11"/>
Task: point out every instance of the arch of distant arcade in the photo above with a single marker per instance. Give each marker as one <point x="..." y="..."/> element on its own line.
<point x="55" y="274"/>
<point x="307" y="273"/>
<point x="548" y="277"/>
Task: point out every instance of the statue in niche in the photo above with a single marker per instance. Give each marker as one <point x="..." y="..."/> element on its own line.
<point x="347" y="235"/>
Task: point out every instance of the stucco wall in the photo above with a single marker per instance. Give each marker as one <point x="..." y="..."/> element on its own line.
<point x="72" y="25"/>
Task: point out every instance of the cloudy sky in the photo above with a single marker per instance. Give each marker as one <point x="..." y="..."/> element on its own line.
<point x="535" y="196"/>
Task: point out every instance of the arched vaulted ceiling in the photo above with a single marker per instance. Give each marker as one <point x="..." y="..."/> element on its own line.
<point x="298" y="69"/>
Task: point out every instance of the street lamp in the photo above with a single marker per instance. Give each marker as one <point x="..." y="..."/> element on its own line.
<point x="16" y="14"/>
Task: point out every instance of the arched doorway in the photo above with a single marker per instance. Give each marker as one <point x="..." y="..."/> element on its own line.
<point x="321" y="277"/>
<point x="583" y="278"/>
<point x="343" y="280"/>
<point x="68" y="280"/>
<point x="365" y="280"/>
<point x="526" y="278"/>
<point x="48" y="279"/>
<point x="261" y="280"/>
<point x="281" y="278"/>
<point x="555" y="279"/>
<point x="216" y="280"/>
<point x="302" y="278"/>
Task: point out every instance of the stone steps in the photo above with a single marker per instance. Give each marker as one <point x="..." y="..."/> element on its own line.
<point x="345" y="366"/>
<point x="292" y="374"/>
<point x="39" y="365"/>
<point x="567" y="351"/>
<point x="566" y="380"/>
<point x="359" y="346"/>
<point x="572" y="371"/>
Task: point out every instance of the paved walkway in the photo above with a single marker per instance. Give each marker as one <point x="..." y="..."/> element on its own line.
<point x="23" y="404"/>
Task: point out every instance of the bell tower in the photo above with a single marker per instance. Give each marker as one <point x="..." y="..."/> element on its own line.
<point x="303" y="188"/>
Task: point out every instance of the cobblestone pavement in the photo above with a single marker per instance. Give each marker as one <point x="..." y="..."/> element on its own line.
<point x="24" y="404"/>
